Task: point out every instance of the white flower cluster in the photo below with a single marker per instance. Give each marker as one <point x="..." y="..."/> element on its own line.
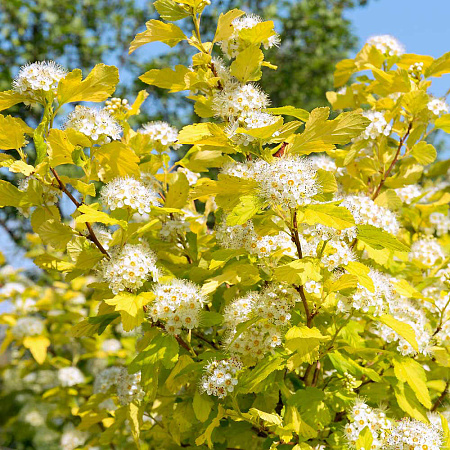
<point x="323" y="233"/>
<point x="117" y="105"/>
<point x="288" y="181"/>
<point x="173" y="228"/>
<point x="97" y="124"/>
<point x="326" y="163"/>
<point x="437" y="106"/>
<point x="366" y="211"/>
<point x="313" y="287"/>
<point x="161" y="133"/>
<point x="72" y="438"/>
<point x="234" y="44"/>
<point x="111" y="345"/>
<point x="241" y="106"/>
<point x="220" y="377"/>
<point x="337" y="254"/>
<point x="38" y="78"/>
<point x="386" y="44"/>
<point x="70" y="376"/>
<point x="178" y="304"/>
<point x="27" y="326"/>
<point x="127" y="386"/>
<point x="378" y="125"/>
<point x="427" y="251"/>
<point x="363" y="416"/>
<point x="127" y="192"/>
<point x="416" y="70"/>
<point x="245" y="236"/>
<point x="414" y="435"/>
<point x="440" y="223"/>
<point x="408" y="193"/>
<point x="366" y="301"/>
<point x="129" y="267"/>
<point x="192" y="177"/>
<point x="272" y="308"/>
<point x="401" y="309"/>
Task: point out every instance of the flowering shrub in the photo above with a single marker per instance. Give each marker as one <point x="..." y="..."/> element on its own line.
<point x="299" y="299"/>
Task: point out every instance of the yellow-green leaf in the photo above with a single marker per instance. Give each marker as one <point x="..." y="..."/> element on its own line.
<point x="224" y="25"/>
<point x="38" y="347"/>
<point x="380" y="239"/>
<point x="329" y="215"/>
<point x="247" y="65"/>
<point x="12" y="132"/>
<point x="9" y="194"/>
<point x="96" y="87"/>
<point x="423" y="153"/>
<point x="174" y="80"/>
<point x="60" y="148"/>
<point x="404" y="330"/>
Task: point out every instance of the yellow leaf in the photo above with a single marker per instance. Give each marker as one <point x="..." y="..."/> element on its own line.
<point x="224" y="25"/>
<point x="9" y="194"/>
<point x="12" y="130"/>
<point x="247" y="65"/>
<point x="167" y="78"/>
<point x="158" y="31"/>
<point x="97" y="87"/>
<point x="60" y="148"/>
<point x="10" y="98"/>
<point x="92" y="215"/>
<point x="19" y="166"/>
<point x="178" y="191"/>
<point x="38" y="347"/>
<point x="117" y="160"/>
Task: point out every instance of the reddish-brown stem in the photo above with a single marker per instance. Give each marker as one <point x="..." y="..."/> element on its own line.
<point x="280" y="152"/>
<point x="394" y="161"/>
<point x="441" y="398"/>
<point x="91" y="235"/>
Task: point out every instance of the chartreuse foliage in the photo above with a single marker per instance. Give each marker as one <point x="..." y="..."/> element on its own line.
<point x="324" y="280"/>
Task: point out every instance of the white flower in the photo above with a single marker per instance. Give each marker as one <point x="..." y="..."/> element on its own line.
<point x="111" y="345"/>
<point x="173" y="228"/>
<point x="426" y="251"/>
<point x="386" y="44"/>
<point x="97" y="124"/>
<point x="178" y="304"/>
<point x="27" y="326"/>
<point x="108" y="378"/>
<point x="192" y="177"/>
<point x="237" y="101"/>
<point x="288" y="181"/>
<point x="337" y="254"/>
<point x="234" y="44"/>
<point x="324" y="162"/>
<point x="72" y="439"/>
<point x="363" y="416"/>
<point x="414" y="434"/>
<point x="313" y="287"/>
<point x="366" y="211"/>
<point x="161" y="133"/>
<point x="272" y="305"/>
<point x="129" y="267"/>
<point x="38" y="78"/>
<point x="437" y="106"/>
<point x="129" y="387"/>
<point x="70" y="376"/>
<point x="367" y="301"/>
<point x="440" y="223"/>
<point x="408" y="193"/>
<point x="378" y="125"/>
<point x="127" y="192"/>
<point x="220" y="378"/>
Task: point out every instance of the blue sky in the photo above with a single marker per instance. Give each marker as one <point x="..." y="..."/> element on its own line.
<point x="421" y="26"/>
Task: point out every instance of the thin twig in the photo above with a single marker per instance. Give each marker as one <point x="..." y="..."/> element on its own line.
<point x="397" y="154"/>
<point x="91" y="235"/>
<point x="441" y="398"/>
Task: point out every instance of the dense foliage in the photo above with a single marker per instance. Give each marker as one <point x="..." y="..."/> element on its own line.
<point x="299" y="299"/>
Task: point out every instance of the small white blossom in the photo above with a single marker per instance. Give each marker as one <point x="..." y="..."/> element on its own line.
<point x="38" y="78"/>
<point x="408" y="193"/>
<point x="378" y="125"/>
<point x="337" y="254"/>
<point x="72" y="439"/>
<point x="440" y="223"/>
<point x="366" y="211"/>
<point x="161" y="133"/>
<point x="220" y="377"/>
<point x="70" y="376"/>
<point x="127" y="192"/>
<point x="415" y="435"/>
<point x="386" y="44"/>
<point x="427" y="251"/>
<point x="129" y="387"/>
<point x="178" y="304"/>
<point x="27" y="326"/>
<point x="192" y="177"/>
<point x="111" y="345"/>
<point x="129" y="267"/>
<point x="116" y="106"/>
<point x="234" y="44"/>
<point x="437" y="106"/>
<point x="97" y="124"/>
